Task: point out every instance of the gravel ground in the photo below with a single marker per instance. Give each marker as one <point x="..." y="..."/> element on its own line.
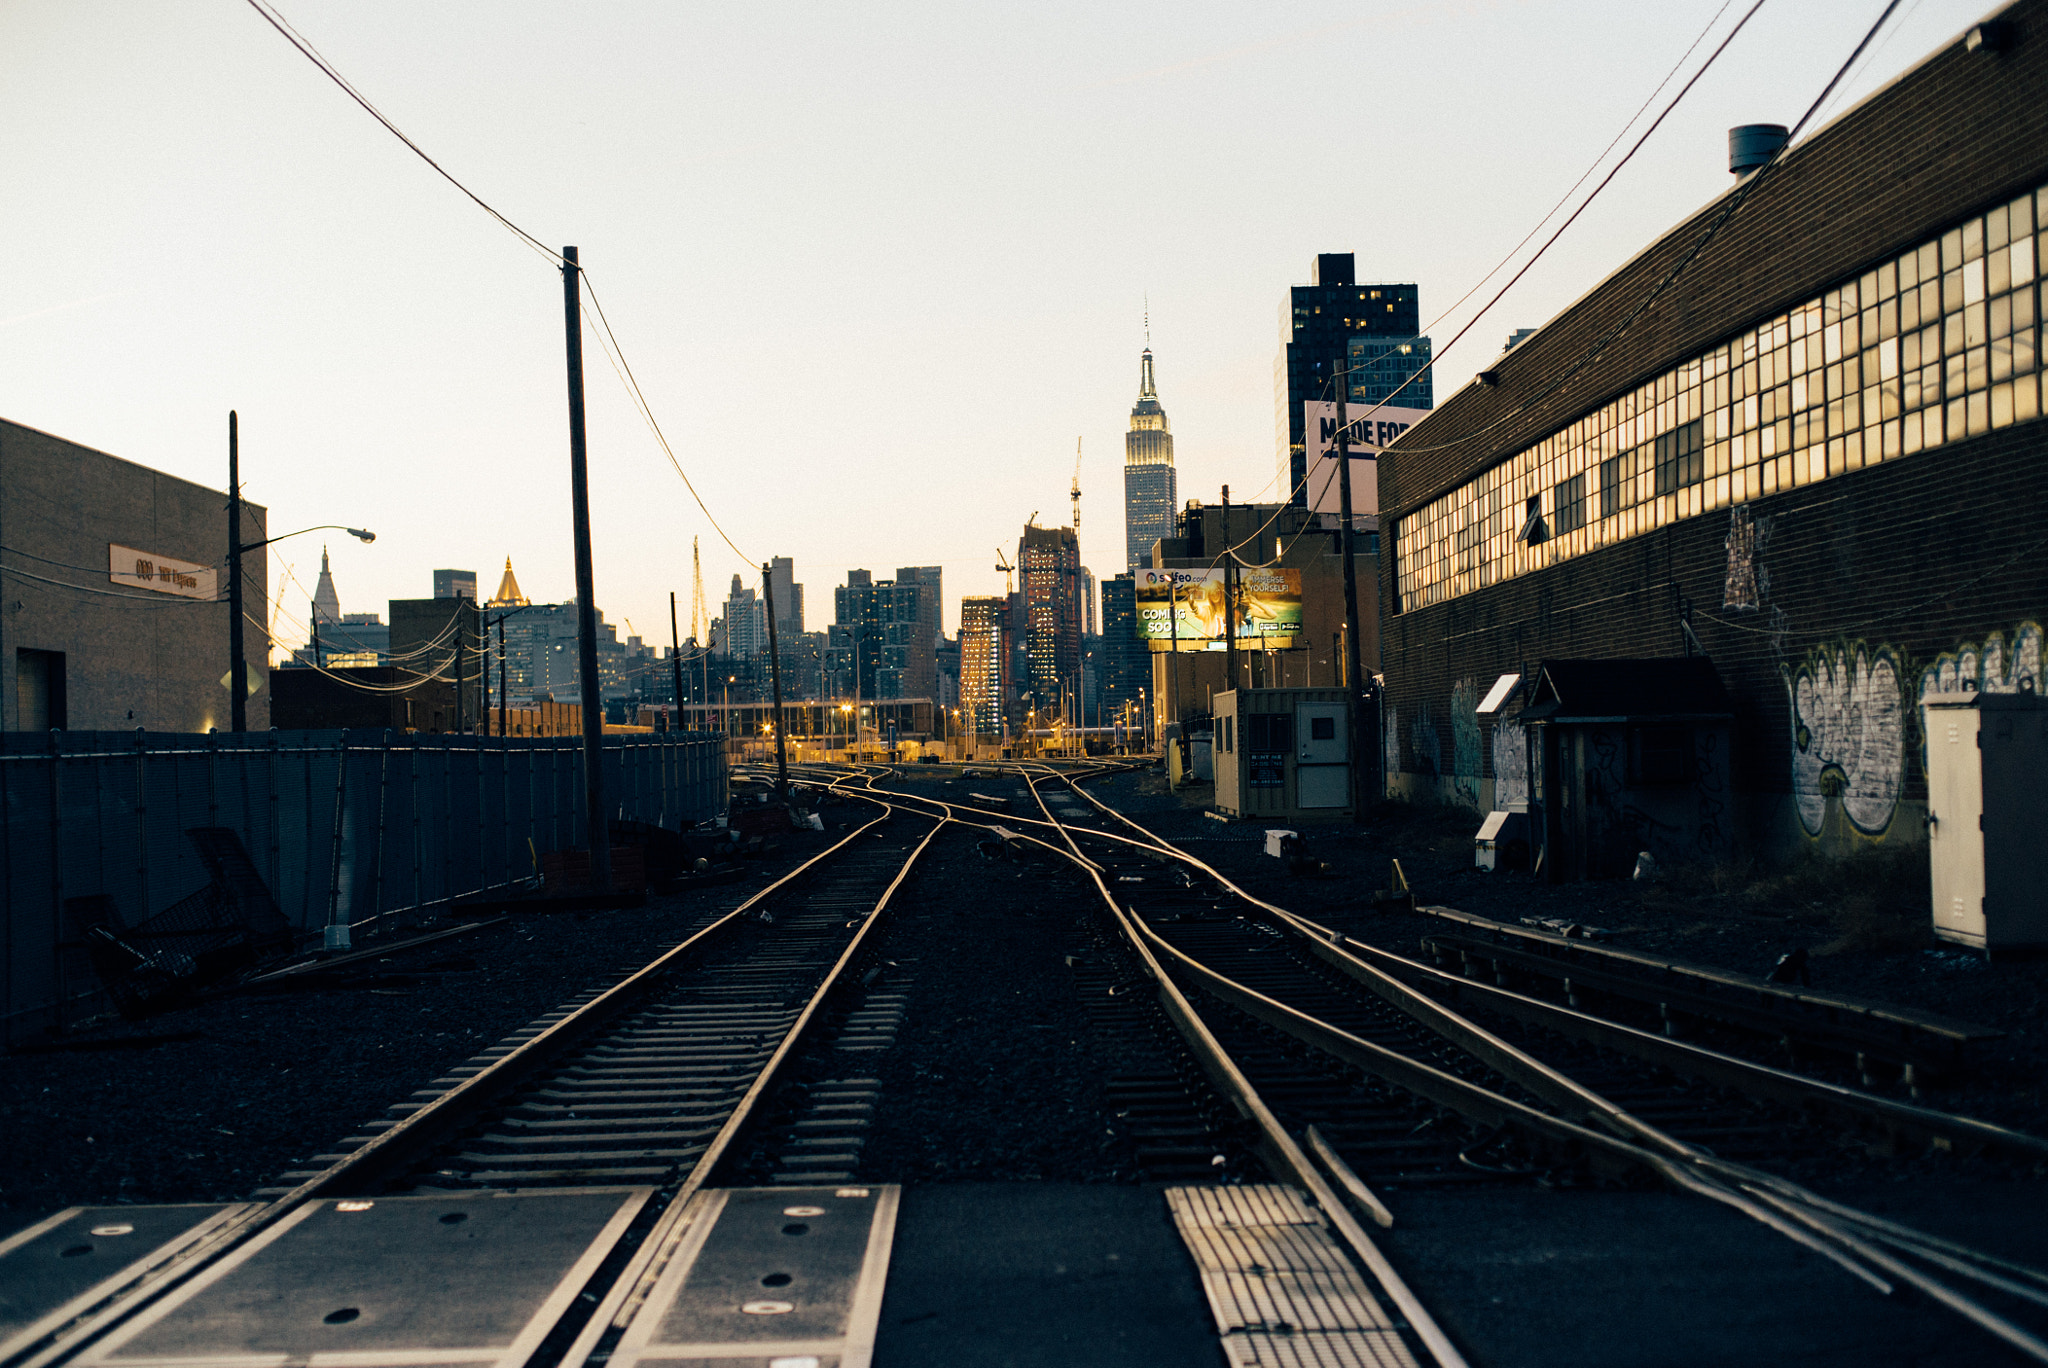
<point x="209" y="1103"/>
<point x="1863" y="925"/>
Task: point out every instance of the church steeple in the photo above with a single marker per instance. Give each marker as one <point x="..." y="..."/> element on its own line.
<point x="326" y="603"/>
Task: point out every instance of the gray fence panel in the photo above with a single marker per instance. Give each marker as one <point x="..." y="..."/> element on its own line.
<point x="358" y="827"/>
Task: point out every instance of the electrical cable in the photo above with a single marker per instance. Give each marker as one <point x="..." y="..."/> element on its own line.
<point x="1437" y="354"/>
<point x="1736" y="199"/>
<point x="161" y="600"/>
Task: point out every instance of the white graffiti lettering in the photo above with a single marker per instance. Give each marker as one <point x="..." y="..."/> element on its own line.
<point x="1848" y="736"/>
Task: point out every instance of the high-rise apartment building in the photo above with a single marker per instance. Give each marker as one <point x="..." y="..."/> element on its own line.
<point x="789" y="597"/>
<point x="1318" y="324"/>
<point x="455" y="584"/>
<point x="1049" y="565"/>
<point x="984" y="663"/>
<point x="746" y="623"/>
<point x="1125" y="662"/>
<point x="1149" y="489"/>
<point x="884" y="641"/>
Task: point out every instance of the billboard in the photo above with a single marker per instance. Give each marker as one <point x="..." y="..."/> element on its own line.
<point x="1188" y="607"/>
<point x="1371" y="429"/>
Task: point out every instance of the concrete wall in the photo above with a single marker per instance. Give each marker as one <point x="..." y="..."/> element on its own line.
<point x="132" y="658"/>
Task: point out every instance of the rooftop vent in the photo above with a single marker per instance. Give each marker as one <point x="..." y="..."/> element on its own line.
<point x="1752" y="145"/>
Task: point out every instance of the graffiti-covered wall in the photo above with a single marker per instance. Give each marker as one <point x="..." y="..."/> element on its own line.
<point x="1830" y="612"/>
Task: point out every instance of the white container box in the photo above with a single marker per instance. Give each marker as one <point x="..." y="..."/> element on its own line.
<point x="1986" y="754"/>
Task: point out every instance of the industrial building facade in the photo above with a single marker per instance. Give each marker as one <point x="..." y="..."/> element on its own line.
<point x="1798" y="436"/>
<point x="113" y="611"/>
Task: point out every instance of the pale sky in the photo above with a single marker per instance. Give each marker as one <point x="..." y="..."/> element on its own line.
<point x="877" y="267"/>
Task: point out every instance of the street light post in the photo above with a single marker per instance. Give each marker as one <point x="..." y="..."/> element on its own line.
<point x="238" y="663"/>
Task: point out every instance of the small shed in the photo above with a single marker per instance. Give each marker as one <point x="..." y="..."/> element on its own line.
<point x="1283" y="754"/>
<point x="1627" y="756"/>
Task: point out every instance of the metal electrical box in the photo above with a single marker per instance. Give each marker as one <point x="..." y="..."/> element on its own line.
<point x="1989" y="867"/>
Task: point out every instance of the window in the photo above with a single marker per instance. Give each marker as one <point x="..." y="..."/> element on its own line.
<point x="1615" y="474"/>
<point x="1269" y="732"/>
<point x="1533" y="531"/>
<point x="1322" y="729"/>
<point x="1571" y="505"/>
<point x="1680" y="458"/>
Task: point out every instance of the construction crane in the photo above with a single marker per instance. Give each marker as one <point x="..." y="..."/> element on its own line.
<point x="1003" y="564"/>
<point x="1075" y="492"/>
<point x="698" y="625"/>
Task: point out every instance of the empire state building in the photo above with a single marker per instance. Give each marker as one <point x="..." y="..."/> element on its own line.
<point x="1149" y="492"/>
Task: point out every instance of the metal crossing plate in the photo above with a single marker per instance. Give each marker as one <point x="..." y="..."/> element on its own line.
<point x="470" y="1278"/>
<point x="1281" y="1289"/>
<point x="58" y="1267"/>
<point x="786" y="1277"/>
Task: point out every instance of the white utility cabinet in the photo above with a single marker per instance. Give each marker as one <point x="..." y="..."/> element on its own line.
<point x="1986" y="754"/>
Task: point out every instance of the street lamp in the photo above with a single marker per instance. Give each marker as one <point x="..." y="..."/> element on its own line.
<point x="238" y="668"/>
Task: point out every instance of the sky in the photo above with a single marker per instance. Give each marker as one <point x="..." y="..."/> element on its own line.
<point x="876" y="268"/>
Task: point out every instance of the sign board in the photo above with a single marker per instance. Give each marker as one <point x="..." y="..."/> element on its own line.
<point x="1268" y="770"/>
<point x="133" y="569"/>
<point x="1188" y="607"/>
<point x="1372" y="429"/>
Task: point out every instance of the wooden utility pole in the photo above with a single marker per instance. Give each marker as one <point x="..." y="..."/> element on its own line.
<point x="238" y="665"/>
<point x="775" y="682"/>
<point x="1229" y="598"/>
<point x="1354" y="681"/>
<point x="675" y="657"/>
<point x="596" y="816"/>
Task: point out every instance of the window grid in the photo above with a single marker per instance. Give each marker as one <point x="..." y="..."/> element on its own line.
<point x="1939" y="344"/>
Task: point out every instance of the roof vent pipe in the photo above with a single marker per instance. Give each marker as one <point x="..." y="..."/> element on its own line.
<point x="1750" y="146"/>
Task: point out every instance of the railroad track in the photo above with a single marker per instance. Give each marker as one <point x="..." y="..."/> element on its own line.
<point x="1293" y="1021"/>
<point x="628" y="1098"/>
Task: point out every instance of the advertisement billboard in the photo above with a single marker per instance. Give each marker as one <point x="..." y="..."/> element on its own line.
<point x="1188" y="607"/>
<point x="1371" y="430"/>
<point x="146" y="570"/>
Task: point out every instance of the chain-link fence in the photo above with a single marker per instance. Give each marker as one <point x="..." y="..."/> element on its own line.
<point x="331" y="828"/>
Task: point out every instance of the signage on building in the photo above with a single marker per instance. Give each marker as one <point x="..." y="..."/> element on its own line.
<point x="1372" y="429"/>
<point x="1188" y="607"/>
<point x="135" y="569"/>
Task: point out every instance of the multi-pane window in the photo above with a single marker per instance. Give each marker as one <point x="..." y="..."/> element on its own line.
<point x="1571" y="504"/>
<point x="1940" y="343"/>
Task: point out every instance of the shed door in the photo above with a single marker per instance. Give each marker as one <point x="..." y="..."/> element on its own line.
<point x="1322" y="751"/>
<point x="1955" y="838"/>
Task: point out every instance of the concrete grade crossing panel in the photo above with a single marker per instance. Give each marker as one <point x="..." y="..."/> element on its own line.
<point x="784" y="1277"/>
<point x="391" y="1282"/>
<point x="57" y="1268"/>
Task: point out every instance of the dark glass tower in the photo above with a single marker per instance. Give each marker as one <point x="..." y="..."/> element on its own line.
<point x="1317" y="324"/>
<point x="1149" y="492"/>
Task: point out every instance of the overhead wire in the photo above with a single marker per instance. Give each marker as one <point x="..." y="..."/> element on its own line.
<point x="609" y="341"/>
<point x="1437" y="353"/>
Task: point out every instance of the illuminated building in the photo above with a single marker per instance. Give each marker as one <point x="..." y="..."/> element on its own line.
<point x="1150" y="496"/>
<point x="984" y="662"/>
<point x="1049" y="564"/>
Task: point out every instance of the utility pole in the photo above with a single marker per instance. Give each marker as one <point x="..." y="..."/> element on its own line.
<point x="504" y="696"/>
<point x="238" y="665"/>
<point x="675" y="657"/>
<point x="1229" y="599"/>
<point x="597" y="818"/>
<point x="1173" y="656"/>
<point x="775" y="682"/>
<point x="1353" y="675"/>
<point x="460" y="633"/>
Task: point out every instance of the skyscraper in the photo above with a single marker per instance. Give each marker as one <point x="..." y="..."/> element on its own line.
<point x="746" y="623"/>
<point x="1318" y="322"/>
<point x="984" y="662"/>
<point x="1049" y="564"/>
<point x="1149" y="493"/>
<point x="789" y="596"/>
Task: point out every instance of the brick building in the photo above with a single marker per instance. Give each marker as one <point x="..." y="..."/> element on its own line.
<point x="1799" y="435"/>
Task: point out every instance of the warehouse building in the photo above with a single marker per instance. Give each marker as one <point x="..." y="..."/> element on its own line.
<point x="1798" y="438"/>
<point x="112" y="594"/>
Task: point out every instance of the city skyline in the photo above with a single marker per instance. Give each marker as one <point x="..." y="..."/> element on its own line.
<point x="394" y="353"/>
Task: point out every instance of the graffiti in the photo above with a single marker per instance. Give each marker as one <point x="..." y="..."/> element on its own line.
<point x="1995" y="666"/>
<point x="1429" y="750"/>
<point x="1748" y="583"/>
<point x="1848" y="736"/>
<point x="1465" y="742"/>
<point x="1510" y="764"/>
<point x="1390" y="749"/>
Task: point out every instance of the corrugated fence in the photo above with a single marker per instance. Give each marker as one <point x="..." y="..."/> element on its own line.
<point x="340" y="827"/>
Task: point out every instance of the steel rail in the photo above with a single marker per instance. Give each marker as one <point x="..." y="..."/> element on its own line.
<point x="628" y="1293"/>
<point x="1776" y="1202"/>
<point x="413" y="1135"/>
<point x="1280" y="1150"/>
